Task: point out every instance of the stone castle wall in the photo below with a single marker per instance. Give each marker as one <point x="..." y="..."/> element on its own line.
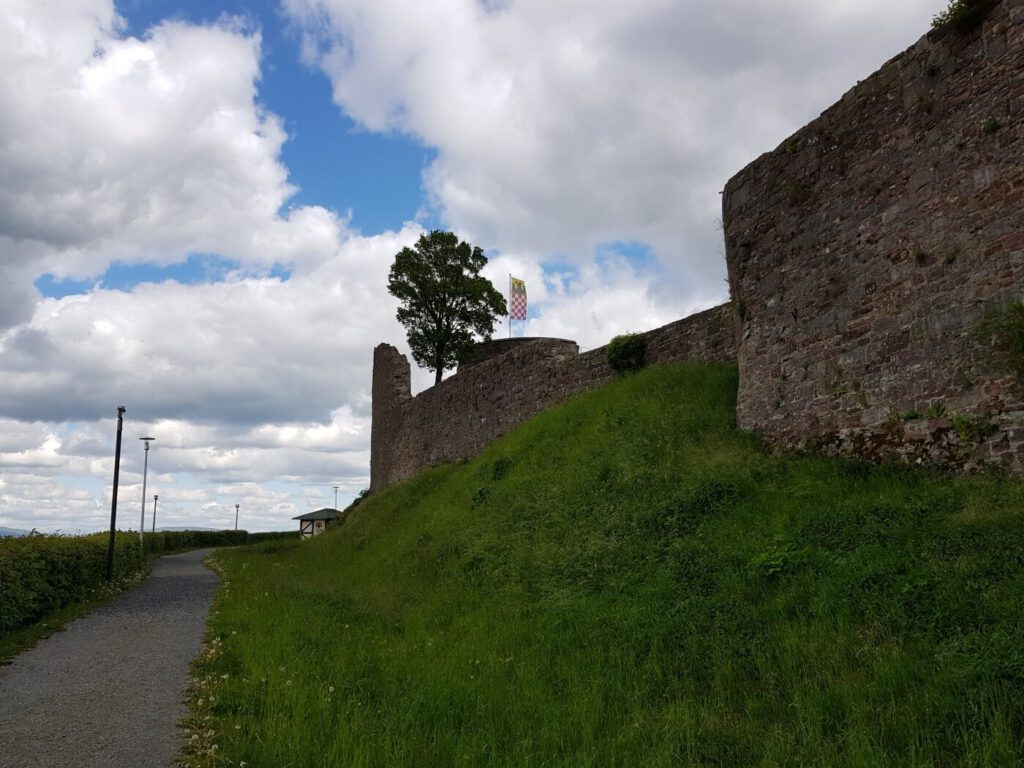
<point x="457" y="418"/>
<point x="864" y="252"/>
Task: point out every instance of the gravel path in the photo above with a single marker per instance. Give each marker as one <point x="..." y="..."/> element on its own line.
<point x="108" y="691"/>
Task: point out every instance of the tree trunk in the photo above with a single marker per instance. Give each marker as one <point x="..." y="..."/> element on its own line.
<point x="437" y="376"/>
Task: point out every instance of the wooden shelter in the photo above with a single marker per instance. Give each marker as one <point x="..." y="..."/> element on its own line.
<point x="313" y="523"/>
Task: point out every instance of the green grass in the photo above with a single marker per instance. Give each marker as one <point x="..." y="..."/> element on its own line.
<point x="629" y="581"/>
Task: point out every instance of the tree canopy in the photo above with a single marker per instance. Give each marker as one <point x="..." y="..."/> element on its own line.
<point x="445" y="301"/>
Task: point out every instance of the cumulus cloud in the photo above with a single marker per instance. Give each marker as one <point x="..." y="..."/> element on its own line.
<point x="148" y="149"/>
<point x="561" y="126"/>
<point x="116" y="148"/>
<point x="247" y="351"/>
<point x="60" y="477"/>
<point x="253" y="380"/>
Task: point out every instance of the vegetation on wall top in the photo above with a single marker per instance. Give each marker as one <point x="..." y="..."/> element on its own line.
<point x="963" y="15"/>
<point x="627" y="353"/>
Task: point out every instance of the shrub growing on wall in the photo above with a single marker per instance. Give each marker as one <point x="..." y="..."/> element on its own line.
<point x="963" y="15"/>
<point x="627" y="352"/>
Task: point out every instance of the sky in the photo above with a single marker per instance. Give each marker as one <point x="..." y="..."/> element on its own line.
<point x="200" y="201"/>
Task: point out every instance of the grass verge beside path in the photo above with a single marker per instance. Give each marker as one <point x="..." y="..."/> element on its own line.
<point x="629" y="581"/>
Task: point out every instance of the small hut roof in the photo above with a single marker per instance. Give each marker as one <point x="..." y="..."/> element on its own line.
<point x="321" y="514"/>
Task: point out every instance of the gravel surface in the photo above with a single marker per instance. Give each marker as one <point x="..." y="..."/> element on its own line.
<point x="109" y="690"/>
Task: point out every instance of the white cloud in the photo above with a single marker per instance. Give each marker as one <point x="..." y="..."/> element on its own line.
<point x="562" y="126"/>
<point x="251" y="351"/>
<point x="255" y="380"/>
<point x="147" y="149"/>
<point x="129" y="149"/>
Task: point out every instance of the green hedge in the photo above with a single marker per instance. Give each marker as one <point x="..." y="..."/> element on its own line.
<point x="41" y="574"/>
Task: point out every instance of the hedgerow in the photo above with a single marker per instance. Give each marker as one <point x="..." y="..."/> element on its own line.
<point x="41" y="574"/>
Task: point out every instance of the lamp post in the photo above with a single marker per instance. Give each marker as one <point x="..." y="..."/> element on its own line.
<point x="236" y="517"/>
<point x="145" y="470"/>
<point x="113" y="496"/>
<point x="336" y="496"/>
<point x="155" y="497"/>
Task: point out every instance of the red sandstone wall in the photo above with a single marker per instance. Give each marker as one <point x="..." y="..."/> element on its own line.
<point x="457" y="418"/>
<point x="863" y="252"/>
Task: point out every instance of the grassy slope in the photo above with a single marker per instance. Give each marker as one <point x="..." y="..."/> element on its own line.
<point x="627" y="580"/>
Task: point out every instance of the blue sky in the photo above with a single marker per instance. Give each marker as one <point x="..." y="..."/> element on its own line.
<point x="201" y="200"/>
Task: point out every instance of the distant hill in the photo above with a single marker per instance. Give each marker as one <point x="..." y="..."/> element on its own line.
<point x="12" y="532"/>
<point x="186" y="528"/>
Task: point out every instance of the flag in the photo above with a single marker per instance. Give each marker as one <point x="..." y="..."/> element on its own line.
<point x="516" y="299"/>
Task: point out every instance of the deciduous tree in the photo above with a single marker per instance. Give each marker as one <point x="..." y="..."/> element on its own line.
<point x="445" y="302"/>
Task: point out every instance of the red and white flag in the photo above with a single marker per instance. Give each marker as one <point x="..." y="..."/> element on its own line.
<point x="516" y="298"/>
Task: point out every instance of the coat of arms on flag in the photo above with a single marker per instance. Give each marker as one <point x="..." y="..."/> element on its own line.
<point x="516" y="299"/>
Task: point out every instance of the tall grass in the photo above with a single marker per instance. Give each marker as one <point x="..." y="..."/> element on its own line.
<point x="629" y="581"/>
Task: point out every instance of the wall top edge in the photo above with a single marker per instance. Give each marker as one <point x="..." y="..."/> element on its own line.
<point x="891" y="70"/>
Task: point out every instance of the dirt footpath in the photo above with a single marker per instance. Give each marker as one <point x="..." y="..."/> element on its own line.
<point x="108" y="691"/>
